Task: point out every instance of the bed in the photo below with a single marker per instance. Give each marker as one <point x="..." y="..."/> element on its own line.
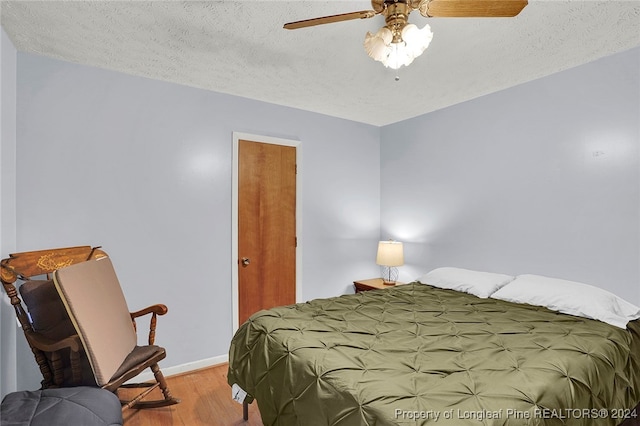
<point x="417" y="354"/>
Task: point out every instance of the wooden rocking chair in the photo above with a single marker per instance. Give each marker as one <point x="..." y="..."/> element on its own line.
<point x="78" y="324"/>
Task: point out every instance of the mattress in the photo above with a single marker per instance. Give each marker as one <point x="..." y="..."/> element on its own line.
<point x="419" y="355"/>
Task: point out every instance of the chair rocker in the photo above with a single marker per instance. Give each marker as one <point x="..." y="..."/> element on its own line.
<point x="78" y="325"/>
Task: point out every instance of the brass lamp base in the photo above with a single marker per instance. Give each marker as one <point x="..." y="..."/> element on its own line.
<point x="385" y="282"/>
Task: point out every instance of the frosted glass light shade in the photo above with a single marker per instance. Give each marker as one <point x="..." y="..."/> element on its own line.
<point x="377" y="45"/>
<point x="417" y="40"/>
<point x="413" y="43"/>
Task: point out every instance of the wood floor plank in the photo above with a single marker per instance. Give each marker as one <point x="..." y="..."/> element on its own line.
<point x="205" y="400"/>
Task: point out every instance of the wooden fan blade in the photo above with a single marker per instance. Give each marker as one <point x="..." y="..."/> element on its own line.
<point x="472" y="8"/>
<point x="363" y="14"/>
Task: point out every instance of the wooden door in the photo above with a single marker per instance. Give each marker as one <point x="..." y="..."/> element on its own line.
<point x="266" y="226"/>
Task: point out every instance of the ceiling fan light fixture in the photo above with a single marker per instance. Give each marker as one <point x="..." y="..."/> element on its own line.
<point x="395" y="52"/>
<point x="398" y="43"/>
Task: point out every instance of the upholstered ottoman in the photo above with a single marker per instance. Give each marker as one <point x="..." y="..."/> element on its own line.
<point x="61" y="407"/>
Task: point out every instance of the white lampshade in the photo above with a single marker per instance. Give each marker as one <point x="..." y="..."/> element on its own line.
<point x="390" y="253"/>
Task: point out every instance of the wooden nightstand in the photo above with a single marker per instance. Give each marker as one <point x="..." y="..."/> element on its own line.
<point x="372" y="284"/>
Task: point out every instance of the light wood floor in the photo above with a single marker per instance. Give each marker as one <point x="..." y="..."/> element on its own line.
<point x="205" y="400"/>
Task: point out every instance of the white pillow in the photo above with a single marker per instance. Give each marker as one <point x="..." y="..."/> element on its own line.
<point x="481" y="284"/>
<point x="569" y="297"/>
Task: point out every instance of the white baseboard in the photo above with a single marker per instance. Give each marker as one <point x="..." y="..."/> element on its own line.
<point x="183" y="368"/>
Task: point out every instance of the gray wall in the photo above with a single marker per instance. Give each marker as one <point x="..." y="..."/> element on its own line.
<point x="8" y="376"/>
<point x="540" y="178"/>
<point x="143" y="168"/>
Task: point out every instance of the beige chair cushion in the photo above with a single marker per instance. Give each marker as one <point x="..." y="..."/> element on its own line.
<point x="96" y="305"/>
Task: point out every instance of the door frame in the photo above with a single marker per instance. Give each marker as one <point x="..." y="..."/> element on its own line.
<point x="237" y="136"/>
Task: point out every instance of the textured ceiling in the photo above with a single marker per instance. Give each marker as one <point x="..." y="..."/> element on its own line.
<point x="240" y="48"/>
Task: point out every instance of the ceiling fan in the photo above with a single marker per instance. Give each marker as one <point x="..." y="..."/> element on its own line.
<point x="398" y="43"/>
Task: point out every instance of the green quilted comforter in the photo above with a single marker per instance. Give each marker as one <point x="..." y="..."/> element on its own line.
<point x="419" y="355"/>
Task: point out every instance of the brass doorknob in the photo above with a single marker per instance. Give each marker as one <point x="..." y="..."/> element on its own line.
<point x="246" y="261"/>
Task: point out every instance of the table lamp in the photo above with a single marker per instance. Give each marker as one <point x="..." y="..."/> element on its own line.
<point x="389" y="256"/>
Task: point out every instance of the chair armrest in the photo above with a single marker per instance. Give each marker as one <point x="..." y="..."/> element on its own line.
<point x="154" y="310"/>
<point x="158" y="309"/>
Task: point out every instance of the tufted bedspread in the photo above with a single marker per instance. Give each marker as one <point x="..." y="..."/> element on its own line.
<point x="419" y="355"/>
